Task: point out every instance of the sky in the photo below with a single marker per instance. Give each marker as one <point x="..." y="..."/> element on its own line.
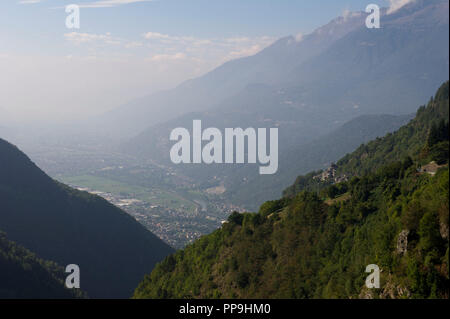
<point x="125" y="49"/>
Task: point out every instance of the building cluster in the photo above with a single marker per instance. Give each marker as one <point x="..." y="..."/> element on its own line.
<point x="330" y="174"/>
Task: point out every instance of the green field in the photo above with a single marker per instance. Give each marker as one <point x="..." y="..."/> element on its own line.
<point x="153" y="196"/>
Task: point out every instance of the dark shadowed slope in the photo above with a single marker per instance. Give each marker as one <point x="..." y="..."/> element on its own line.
<point x="71" y="227"/>
<point x="25" y="276"/>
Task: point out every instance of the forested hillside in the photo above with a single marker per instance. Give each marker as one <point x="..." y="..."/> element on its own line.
<point x="67" y="226"/>
<point x="24" y="275"/>
<point x="389" y="209"/>
<point x="424" y="138"/>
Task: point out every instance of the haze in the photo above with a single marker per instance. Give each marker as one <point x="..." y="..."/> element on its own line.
<point x="129" y="49"/>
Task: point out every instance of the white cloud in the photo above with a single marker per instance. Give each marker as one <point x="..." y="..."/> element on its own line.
<point x="247" y="51"/>
<point x="110" y="3"/>
<point x="80" y="38"/>
<point x="164" y="47"/>
<point x="100" y="40"/>
<point x="155" y="36"/>
<point x="133" y="44"/>
<point x="238" y="40"/>
<point x="394" y="5"/>
<point x="346" y="14"/>
<point x="220" y="49"/>
<point x="167" y="57"/>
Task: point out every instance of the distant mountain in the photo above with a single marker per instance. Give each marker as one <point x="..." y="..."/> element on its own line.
<point x="25" y="276"/>
<point x="67" y="226"/>
<point x="337" y="72"/>
<point x="317" y="242"/>
<point x="384" y="70"/>
<point x="266" y="67"/>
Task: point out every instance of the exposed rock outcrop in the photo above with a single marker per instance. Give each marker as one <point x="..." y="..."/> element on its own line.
<point x="402" y="242"/>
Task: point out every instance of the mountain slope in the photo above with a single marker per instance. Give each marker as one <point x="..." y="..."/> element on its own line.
<point x="408" y="141"/>
<point x="317" y="244"/>
<point x="25" y="276"/>
<point x="384" y="70"/>
<point x="361" y="71"/>
<point x="71" y="227"/>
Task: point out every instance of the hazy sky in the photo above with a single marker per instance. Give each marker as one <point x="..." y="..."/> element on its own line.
<point x="130" y="48"/>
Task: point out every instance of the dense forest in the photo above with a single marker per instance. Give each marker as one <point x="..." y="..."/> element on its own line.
<point x="386" y="204"/>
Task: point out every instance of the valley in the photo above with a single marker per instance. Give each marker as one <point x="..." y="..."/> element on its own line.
<point x="168" y="204"/>
<point x="180" y="203"/>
